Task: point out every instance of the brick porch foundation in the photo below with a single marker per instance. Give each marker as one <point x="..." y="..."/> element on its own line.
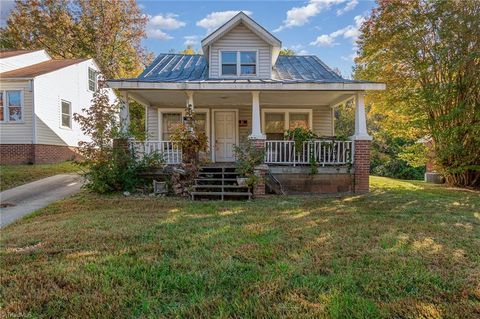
<point x="361" y="166"/>
<point x="36" y="153"/>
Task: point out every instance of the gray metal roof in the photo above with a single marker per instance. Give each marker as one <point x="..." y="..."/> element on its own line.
<point x="182" y="68"/>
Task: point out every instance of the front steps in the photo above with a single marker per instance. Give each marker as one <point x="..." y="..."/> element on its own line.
<point x="219" y="183"/>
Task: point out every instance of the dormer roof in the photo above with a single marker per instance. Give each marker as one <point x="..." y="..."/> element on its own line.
<point x="242" y="18"/>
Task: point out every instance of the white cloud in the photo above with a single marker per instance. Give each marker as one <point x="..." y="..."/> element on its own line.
<point x="298" y="16"/>
<point x="167" y="21"/>
<point x="191" y="40"/>
<point x="348" y="7"/>
<point x="215" y="19"/>
<point x="158" y="34"/>
<point x="157" y="24"/>
<point x="324" y="40"/>
<point x="349" y="32"/>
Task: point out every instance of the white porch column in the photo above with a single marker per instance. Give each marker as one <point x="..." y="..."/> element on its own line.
<point x="360" y="119"/>
<point x="124" y="113"/>
<point x="256" y="127"/>
<point x="190" y="100"/>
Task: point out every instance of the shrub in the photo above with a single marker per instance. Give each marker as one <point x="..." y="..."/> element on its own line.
<point x="107" y="168"/>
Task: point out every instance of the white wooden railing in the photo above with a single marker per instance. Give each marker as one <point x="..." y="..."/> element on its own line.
<point x="170" y="152"/>
<point x="322" y="152"/>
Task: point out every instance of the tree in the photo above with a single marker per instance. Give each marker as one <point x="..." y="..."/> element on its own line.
<point x="286" y="51"/>
<point x="427" y="52"/>
<point x="188" y="50"/>
<point x="108" y="31"/>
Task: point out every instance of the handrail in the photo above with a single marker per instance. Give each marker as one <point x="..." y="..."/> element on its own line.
<point x="172" y="154"/>
<point x="321" y="152"/>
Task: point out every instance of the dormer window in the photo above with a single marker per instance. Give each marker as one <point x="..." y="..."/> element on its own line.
<point x="229" y="62"/>
<point x="239" y="63"/>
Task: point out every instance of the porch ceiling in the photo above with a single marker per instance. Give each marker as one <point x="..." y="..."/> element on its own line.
<point x="232" y="98"/>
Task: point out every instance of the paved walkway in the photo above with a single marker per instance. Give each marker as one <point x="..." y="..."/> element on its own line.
<point x="32" y="196"/>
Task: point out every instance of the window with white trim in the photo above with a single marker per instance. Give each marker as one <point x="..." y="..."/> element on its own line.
<point x="66" y="114"/>
<point x="277" y="121"/>
<point x="298" y="120"/>
<point x="170" y="122"/>
<point x="11" y="106"/>
<point x="238" y="63"/>
<point x="92" y="79"/>
<point x="201" y="122"/>
<point x="274" y="126"/>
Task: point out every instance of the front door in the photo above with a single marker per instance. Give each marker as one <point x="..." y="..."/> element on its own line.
<point x="225" y="135"/>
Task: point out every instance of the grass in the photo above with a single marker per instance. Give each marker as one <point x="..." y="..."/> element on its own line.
<point x="16" y="175"/>
<point x="406" y="250"/>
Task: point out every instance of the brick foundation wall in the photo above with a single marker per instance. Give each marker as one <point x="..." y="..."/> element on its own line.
<point x="36" y="153"/>
<point x="304" y="183"/>
<point x="260" y="171"/>
<point x="361" y="166"/>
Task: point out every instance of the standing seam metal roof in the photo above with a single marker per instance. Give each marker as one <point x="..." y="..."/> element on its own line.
<point x="178" y="68"/>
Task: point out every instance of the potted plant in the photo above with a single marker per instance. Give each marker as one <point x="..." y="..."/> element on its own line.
<point x="248" y="155"/>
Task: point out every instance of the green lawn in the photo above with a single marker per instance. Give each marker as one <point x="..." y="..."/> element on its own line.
<point x="16" y="175"/>
<point x="406" y="250"/>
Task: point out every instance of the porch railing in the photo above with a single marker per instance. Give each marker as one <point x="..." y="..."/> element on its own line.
<point x="171" y="153"/>
<point x="322" y="152"/>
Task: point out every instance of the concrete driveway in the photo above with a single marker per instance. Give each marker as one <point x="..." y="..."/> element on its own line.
<point x="23" y="200"/>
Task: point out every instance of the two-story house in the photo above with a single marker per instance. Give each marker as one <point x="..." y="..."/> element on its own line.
<point x="38" y="97"/>
<point x="242" y="88"/>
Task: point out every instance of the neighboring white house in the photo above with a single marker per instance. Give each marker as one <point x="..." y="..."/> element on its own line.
<point x="38" y="97"/>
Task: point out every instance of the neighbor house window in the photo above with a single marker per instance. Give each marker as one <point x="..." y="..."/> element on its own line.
<point x="11" y="107"/>
<point x="239" y="63"/>
<point x="92" y="79"/>
<point x="170" y="122"/>
<point x="274" y="126"/>
<point x="66" y="114"/>
<point x="229" y="62"/>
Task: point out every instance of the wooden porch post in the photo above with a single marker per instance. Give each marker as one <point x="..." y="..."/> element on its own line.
<point x="256" y="128"/>
<point x="259" y="140"/>
<point x="124" y="113"/>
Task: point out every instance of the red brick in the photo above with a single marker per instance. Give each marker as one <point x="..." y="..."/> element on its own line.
<point x="36" y="153"/>
<point x="361" y="166"/>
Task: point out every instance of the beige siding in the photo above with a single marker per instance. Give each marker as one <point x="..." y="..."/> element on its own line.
<point x="21" y="132"/>
<point x="152" y="124"/>
<point x="322" y="119"/>
<point x="240" y="38"/>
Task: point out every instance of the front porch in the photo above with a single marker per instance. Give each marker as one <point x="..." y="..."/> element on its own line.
<point x="230" y="117"/>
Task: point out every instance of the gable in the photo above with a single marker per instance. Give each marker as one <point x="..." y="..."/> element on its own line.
<point x="237" y="39"/>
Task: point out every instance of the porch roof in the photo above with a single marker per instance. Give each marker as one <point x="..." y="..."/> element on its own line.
<point x="191" y="72"/>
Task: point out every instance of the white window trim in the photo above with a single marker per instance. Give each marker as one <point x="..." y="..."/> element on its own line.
<point x="6" y="114"/>
<point x="182" y="111"/>
<point x="61" y="114"/>
<point x="286" y="113"/>
<point x="239" y="63"/>
<point x="88" y="78"/>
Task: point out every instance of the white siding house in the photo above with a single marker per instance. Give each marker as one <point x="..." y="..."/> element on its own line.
<point x="39" y="127"/>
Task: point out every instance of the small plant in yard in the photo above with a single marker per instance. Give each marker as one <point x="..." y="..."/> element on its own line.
<point x="248" y="156"/>
<point x="107" y="168"/>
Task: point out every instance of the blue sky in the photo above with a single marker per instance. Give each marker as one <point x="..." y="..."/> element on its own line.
<point x="326" y="28"/>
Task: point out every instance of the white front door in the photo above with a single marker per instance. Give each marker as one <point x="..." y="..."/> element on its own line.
<point x="225" y="135"/>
